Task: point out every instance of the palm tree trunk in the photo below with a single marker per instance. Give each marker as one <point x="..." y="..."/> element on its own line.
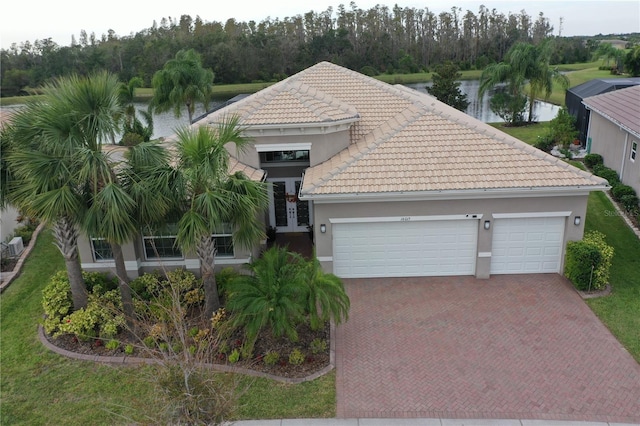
<point x="66" y="240"/>
<point x="123" y="283"/>
<point x="206" y="250"/>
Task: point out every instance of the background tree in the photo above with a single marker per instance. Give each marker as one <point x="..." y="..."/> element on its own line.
<point x="182" y="82"/>
<point x="446" y="88"/>
<point x="212" y="198"/>
<point x="132" y="128"/>
<point x="523" y="63"/>
<point x="632" y="61"/>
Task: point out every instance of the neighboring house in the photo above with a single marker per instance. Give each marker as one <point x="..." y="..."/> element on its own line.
<point x="614" y="131"/>
<point x="575" y="95"/>
<point x="396" y="183"/>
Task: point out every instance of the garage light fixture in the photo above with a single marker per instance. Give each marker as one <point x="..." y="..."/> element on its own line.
<point x="487" y="224"/>
<point x="576" y="220"/>
<point x="323" y="228"/>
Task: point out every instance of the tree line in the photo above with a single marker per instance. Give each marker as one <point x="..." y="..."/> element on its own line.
<point x="375" y="40"/>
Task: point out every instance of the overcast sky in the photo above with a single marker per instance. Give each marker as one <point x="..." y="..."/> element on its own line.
<point x="41" y="19"/>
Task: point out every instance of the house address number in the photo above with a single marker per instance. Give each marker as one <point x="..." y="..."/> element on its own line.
<point x="405" y="219"/>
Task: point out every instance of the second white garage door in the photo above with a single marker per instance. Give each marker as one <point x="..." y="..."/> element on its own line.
<point x="527" y="245"/>
<point x="405" y="249"/>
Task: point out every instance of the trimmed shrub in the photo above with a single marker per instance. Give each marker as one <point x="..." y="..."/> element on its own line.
<point x="588" y="262"/>
<point x="296" y="357"/>
<point x="630" y="202"/>
<point x="606" y="173"/>
<point x="580" y="259"/>
<point x="621" y="190"/>
<point x="544" y="143"/>
<point x="591" y="160"/>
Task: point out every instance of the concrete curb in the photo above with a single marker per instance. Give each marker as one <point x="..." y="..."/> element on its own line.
<point x="8" y="277"/>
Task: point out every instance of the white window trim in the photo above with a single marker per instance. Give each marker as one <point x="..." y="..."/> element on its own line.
<point x="272" y="147"/>
<point x="634" y="151"/>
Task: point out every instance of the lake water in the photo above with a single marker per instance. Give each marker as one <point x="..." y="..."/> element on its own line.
<point x="166" y="123"/>
<point x="479" y="107"/>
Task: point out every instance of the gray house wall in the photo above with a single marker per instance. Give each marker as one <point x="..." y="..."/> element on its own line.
<point x="614" y="145"/>
<point x="487" y="207"/>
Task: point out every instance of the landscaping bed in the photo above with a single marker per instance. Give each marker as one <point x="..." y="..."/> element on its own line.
<point x="314" y="360"/>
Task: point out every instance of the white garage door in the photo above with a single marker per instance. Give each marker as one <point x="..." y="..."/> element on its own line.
<point x="405" y="249"/>
<point x="527" y="245"/>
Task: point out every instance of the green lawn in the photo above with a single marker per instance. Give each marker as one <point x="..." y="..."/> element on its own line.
<point x="528" y="133"/>
<point x="620" y="311"/>
<point x="42" y="388"/>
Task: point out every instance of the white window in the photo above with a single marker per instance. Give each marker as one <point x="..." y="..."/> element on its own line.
<point x="634" y="150"/>
<point x="101" y="250"/>
<point x="161" y="243"/>
<point x="224" y="241"/>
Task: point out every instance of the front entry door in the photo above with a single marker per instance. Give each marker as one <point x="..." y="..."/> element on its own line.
<point x="286" y="212"/>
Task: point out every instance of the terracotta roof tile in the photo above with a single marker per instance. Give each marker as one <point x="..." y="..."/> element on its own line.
<point x="402" y="141"/>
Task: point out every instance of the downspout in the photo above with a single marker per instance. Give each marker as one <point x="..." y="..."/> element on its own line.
<point x="588" y="141"/>
<point x="624" y="152"/>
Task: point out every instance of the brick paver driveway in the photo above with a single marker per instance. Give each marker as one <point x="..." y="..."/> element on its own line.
<point x="518" y="346"/>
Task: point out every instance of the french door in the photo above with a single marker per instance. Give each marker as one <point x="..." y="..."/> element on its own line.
<point x="286" y="212"/>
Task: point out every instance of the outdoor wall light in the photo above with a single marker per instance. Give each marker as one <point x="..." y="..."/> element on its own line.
<point x="487" y="224"/>
<point x="576" y="220"/>
<point x="323" y="228"/>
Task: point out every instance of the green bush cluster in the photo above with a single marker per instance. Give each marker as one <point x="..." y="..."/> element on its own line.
<point x="620" y="192"/>
<point x="544" y="143"/>
<point x="606" y="173"/>
<point x="588" y="262"/>
<point x="296" y="357"/>
<point x="591" y="160"/>
<point x="101" y="318"/>
<point x="318" y="345"/>
<point x="283" y="291"/>
<point x="271" y="358"/>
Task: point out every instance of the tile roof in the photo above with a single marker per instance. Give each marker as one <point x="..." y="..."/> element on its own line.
<point x="620" y="106"/>
<point x="403" y="141"/>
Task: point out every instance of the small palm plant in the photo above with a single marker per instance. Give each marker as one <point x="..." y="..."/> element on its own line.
<point x="272" y="296"/>
<point x="283" y="292"/>
<point x="325" y="296"/>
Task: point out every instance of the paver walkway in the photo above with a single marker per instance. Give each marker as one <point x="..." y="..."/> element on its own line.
<point x="511" y="347"/>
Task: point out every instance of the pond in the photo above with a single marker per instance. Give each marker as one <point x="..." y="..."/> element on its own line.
<point x="479" y="108"/>
<point x="166" y="123"/>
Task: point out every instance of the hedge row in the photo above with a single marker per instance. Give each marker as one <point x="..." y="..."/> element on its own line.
<point x="624" y="194"/>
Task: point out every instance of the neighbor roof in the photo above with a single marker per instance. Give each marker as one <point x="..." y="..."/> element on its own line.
<point x="621" y="107"/>
<point x="599" y="86"/>
<point x="402" y="141"/>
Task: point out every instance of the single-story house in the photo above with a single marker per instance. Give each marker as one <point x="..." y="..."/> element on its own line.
<point x="598" y="86"/>
<point x="614" y="131"/>
<point x="394" y="183"/>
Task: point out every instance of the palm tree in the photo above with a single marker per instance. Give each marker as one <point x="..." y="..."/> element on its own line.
<point x="63" y="175"/>
<point x="40" y="161"/>
<point x="182" y="82"/>
<point x="212" y="198"/>
<point x="524" y="62"/>
<point x="131" y="124"/>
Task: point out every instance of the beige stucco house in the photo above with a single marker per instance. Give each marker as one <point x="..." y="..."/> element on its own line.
<point x="614" y="132"/>
<point x="396" y="183"/>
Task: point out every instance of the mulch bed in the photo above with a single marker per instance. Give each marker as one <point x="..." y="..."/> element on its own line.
<point x="312" y="364"/>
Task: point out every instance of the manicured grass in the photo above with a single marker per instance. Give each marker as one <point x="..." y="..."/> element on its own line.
<point x="620" y="311"/>
<point x="40" y="387"/>
<point x="528" y="134"/>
